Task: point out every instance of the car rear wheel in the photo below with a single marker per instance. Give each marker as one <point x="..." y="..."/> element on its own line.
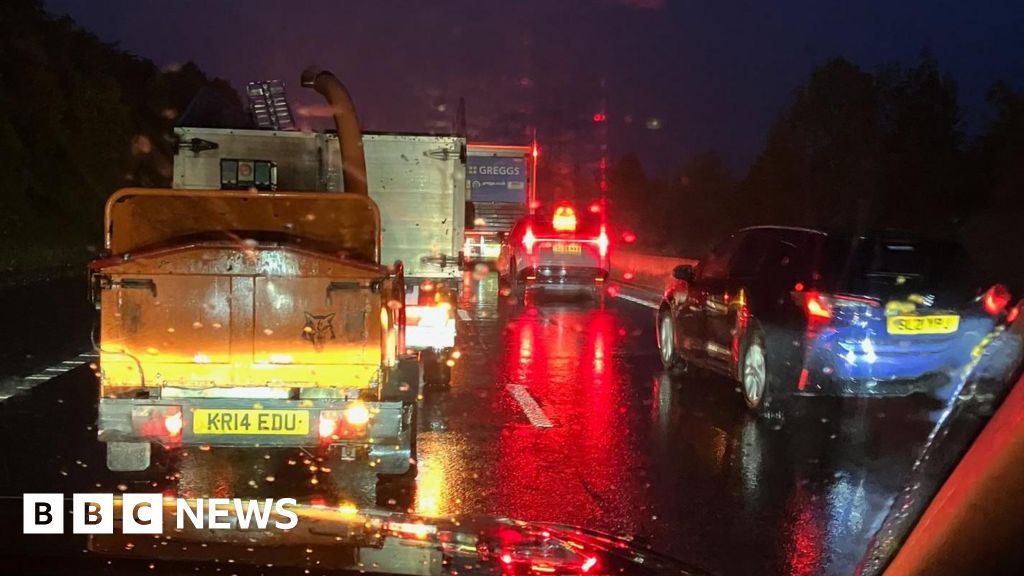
<point x="666" y="342"/>
<point x="598" y="295"/>
<point x="754" y="374"/>
<point x="436" y="372"/>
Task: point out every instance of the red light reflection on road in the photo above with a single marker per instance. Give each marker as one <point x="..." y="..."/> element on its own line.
<point x="584" y="468"/>
<point x="805" y="547"/>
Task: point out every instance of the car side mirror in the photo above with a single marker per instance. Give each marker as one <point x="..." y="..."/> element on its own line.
<point x="683" y="272"/>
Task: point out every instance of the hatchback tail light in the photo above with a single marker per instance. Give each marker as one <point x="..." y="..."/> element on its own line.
<point x="1014" y="313"/>
<point x="817" y="306"/>
<point x="996" y="299"/>
<point x="821" y="307"/>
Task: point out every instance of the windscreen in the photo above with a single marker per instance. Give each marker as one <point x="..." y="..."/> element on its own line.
<point x="738" y="283"/>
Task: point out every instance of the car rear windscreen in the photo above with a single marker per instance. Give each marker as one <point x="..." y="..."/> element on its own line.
<point x="884" y="267"/>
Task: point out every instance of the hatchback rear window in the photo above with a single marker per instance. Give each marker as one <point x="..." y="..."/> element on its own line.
<point x="587" y="222"/>
<point x="884" y="267"/>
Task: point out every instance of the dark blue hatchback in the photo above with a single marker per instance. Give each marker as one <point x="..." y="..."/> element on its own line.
<point x="798" y="311"/>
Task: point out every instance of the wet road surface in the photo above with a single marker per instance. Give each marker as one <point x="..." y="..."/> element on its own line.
<point x="557" y="411"/>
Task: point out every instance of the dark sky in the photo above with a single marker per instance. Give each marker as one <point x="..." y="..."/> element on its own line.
<point x="714" y="73"/>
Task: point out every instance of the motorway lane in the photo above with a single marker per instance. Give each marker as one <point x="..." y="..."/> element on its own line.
<point x="673" y="460"/>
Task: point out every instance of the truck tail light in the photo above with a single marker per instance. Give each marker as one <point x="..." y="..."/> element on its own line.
<point x="158" y="421"/>
<point x="328" y="424"/>
<point x="357" y="414"/>
<point x="996" y="299"/>
<point x="345" y="423"/>
<point x="173" y="423"/>
<point x="529" y="240"/>
<point x="603" y="243"/>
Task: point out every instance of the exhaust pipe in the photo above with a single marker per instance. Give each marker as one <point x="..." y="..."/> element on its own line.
<point x="350" y="134"/>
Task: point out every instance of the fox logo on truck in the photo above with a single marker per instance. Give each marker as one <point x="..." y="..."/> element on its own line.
<point x="318" y="330"/>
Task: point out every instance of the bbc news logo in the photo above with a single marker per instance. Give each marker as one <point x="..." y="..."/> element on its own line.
<point x="144" y="513"/>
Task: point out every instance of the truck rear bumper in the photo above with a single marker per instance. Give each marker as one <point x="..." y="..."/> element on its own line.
<point x="247" y="422"/>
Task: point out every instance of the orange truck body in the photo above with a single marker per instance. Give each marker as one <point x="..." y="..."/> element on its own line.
<point x="246" y="318"/>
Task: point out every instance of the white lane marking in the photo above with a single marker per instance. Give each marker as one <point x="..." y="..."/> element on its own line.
<point x="464" y="316"/>
<point x="533" y="411"/>
<point x="63" y="367"/>
<point x="647" y="303"/>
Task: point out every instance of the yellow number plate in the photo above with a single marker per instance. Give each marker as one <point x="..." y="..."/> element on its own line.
<point x="946" y="324"/>
<point x="287" y="422"/>
<point x="567" y="248"/>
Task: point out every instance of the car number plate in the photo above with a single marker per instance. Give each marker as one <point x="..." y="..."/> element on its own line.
<point x="286" y="422"/>
<point x="939" y="324"/>
<point x="567" y="248"/>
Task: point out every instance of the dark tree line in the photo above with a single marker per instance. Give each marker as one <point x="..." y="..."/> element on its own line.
<point x="79" y="118"/>
<point x="859" y="150"/>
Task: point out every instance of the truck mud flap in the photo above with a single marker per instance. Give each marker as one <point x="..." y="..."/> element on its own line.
<point x="403" y="382"/>
<point x="128" y="456"/>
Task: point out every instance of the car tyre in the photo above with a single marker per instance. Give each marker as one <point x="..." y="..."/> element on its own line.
<point x="598" y="294"/>
<point x="755" y="378"/>
<point x="670" y="357"/>
<point x="436" y="372"/>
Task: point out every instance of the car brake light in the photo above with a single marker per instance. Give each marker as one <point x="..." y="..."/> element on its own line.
<point x="1014" y="312"/>
<point x="529" y="240"/>
<point x="996" y="299"/>
<point x="817" y="307"/>
<point x="602" y="242"/>
<point x="589" y="563"/>
<point x="564" y="219"/>
<point x="173" y="423"/>
<point x="432" y="316"/>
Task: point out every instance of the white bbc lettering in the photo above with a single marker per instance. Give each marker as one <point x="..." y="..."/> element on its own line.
<point x="217" y="510"/>
<point x="92" y="514"/>
<point x="142" y="513"/>
<point x="251" y="511"/>
<point x="281" y="507"/>
<point x="43" y="514"/>
<point x="183" y="510"/>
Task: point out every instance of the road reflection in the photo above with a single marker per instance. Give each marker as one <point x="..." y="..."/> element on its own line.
<point x="588" y="467"/>
<point x="811" y="488"/>
<point x="674" y="459"/>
